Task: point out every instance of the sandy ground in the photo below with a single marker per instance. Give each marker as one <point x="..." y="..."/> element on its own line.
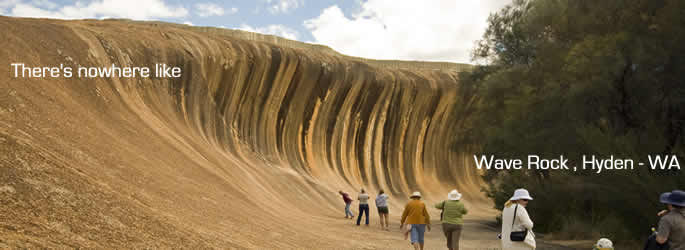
<point x="478" y="234"/>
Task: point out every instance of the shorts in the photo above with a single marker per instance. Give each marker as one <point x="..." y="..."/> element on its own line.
<point x="417" y="231"/>
<point x="382" y="210"/>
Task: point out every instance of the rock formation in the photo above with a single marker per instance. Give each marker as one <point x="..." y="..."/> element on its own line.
<point x="247" y="149"/>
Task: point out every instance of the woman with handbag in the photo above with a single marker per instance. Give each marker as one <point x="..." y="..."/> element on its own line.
<point x="517" y="227"/>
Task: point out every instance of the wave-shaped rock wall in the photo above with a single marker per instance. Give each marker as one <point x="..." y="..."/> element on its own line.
<point x="215" y="157"/>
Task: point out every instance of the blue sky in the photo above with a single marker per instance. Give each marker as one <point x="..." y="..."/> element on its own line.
<point x="429" y="30"/>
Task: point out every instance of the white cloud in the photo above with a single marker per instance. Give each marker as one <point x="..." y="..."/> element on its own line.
<point x="283" y="6"/>
<point x="133" y="9"/>
<point x="44" y="4"/>
<point x="435" y="30"/>
<point x="188" y="23"/>
<point x="7" y="3"/>
<point x="277" y="30"/>
<point x="210" y="9"/>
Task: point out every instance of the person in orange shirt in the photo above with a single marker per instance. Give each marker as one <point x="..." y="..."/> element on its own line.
<point x="416" y="215"/>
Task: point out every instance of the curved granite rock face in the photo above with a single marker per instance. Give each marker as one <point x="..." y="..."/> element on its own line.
<point x="247" y="149"/>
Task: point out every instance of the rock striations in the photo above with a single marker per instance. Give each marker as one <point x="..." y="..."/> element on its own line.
<point x="246" y="149"/>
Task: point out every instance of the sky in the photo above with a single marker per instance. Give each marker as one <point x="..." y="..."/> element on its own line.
<point x="429" y="30"/>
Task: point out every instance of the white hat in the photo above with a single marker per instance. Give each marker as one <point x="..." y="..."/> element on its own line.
<point x="454" y="195"/>
<point x="605" y="243"/>
<point x="521" y="194"/>
<point x="415" y="194"/>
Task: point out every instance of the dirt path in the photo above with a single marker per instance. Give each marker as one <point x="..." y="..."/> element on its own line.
<point x="478" y="234"/>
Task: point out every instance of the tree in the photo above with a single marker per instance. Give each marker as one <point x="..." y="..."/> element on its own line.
<point x="581" y="77"/>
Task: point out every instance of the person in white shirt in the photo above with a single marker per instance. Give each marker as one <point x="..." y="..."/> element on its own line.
<point x="363" y="206"/>
<point x="515" y="219"/>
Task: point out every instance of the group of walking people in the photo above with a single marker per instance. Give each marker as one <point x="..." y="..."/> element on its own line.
<point x="517" y="226"/>
<point x="363" y="198"/>
<point x="415" y="218"/>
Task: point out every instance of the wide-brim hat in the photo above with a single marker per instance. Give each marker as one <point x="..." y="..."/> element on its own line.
<point x="664" y="197"/>
<point x="676" y="198"/>
<point x="521" y="194"/>
<point x="415" y="194"/>
<point x="604" y="244"/>
<point x="454" y="195"/>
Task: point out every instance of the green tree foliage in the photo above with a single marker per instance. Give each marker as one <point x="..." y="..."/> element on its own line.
<point x="582" y="77"/>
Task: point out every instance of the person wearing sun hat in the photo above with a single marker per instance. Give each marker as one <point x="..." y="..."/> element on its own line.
<point x="604" y="244"/>
<point x="416" y="215"/>
<point x="452" y="212"/>
<point x="672" y="224"/>
<point x="515" y="219"/>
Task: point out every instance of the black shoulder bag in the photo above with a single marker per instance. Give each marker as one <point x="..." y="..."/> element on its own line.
<point x="518" y="235"/>
<point x="653" y="245"/>
<point x="443" y="209"/>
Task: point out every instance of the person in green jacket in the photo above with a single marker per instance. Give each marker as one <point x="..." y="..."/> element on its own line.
<point x="452" y="212"/>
